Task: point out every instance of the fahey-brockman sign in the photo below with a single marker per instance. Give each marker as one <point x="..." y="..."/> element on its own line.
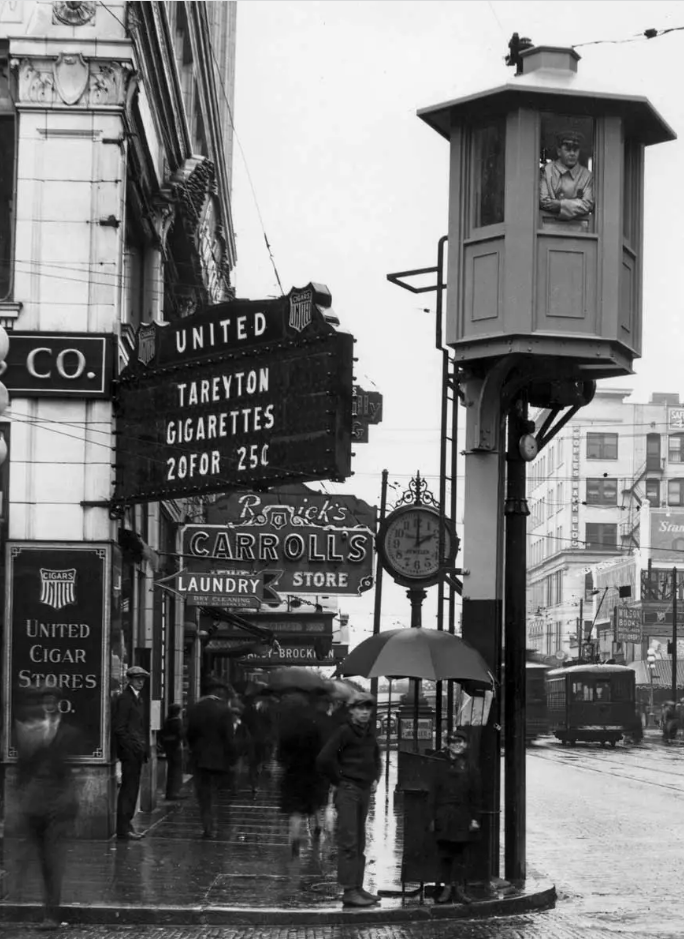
<point x="250" y="398"/>
<point x="316" y="543"/>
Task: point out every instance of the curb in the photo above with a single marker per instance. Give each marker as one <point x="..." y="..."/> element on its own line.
<point x="540" y="897"/>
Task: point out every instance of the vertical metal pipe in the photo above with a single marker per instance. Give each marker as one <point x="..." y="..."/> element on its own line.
<point x="377" y="612"/>
<point x="674" y="634"/>
<point x="516" y="512"/>
<point x="444" y="445"/>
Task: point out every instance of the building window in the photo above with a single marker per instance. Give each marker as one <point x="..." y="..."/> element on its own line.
<point x="631" y="191"/>
<point x="675" y="492"/>
<point x="602" y="446"/>
<point x="653" y="491"/>
<point x="600" y="535"/>
<point x="653" y="452"/>
<point x="566" y="186"/>
<point x="134" y="278"/>
<point x="601" y="492"/>
<point x="489" y="152"/>
<point x="675" y="448"/>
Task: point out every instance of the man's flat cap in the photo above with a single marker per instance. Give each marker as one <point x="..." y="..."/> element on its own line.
<point x="136" y="671"/>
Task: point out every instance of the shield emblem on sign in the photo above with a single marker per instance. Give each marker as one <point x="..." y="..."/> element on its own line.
<point x="57" y="588"/>
<point x="147" y="342"/>
<point x="301" y="302"/>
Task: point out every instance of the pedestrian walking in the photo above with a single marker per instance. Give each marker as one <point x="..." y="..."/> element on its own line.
<point x="351" y="761"/>
<point x="304" y="789"/>
<point x="211" y="739"/>
<point x="131" y="739"/>
<point x="47" y="792"/>
<point x="453" y="802"/>
<point x="171" y="737"/>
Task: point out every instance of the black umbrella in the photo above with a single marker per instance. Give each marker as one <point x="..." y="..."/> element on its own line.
<point x="417" y="653"/>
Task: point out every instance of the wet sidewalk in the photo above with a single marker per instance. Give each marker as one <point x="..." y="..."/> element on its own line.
<point x="246" y="875"/>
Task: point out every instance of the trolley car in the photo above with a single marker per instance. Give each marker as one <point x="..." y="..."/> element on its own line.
<point x="536" y="709"/>
<point x="590" y="702"/>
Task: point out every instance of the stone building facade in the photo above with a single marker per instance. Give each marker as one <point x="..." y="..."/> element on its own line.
<point x="606" y="499"/>
<point x="115" y="210"/>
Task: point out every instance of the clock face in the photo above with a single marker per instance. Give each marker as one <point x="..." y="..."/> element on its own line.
<point x="528" y="447"/>
<point x="411" y="544"/>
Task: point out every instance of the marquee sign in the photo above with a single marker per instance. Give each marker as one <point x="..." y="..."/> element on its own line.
<point x="287" y="627"/>
<point x="57" y="611"/>
<point x="232" y="328"/>
<point x="258" y="419"/>
<point x="321" y="544"/>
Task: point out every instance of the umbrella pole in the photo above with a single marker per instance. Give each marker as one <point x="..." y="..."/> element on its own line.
<point x="389" y="732"/>
<point x="416" y="683"/>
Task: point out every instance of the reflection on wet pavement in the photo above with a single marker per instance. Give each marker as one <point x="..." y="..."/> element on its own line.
<point x="248" y="864"/>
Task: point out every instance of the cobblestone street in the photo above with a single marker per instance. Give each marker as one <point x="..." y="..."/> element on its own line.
<point x="598" y="826"/>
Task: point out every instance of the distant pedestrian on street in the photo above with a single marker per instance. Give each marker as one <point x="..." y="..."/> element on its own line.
<point x="131" y="739"/>
<point x="211" y="738"/>
<point x="47" y="791"/>
<point x="171" y="738"/>
<point x="304" y="789"/>
<point x="351" y="761"/>
<point x="453" y="804"/>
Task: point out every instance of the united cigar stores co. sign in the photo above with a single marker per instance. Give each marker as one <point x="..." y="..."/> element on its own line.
<point x="309" y="542"/>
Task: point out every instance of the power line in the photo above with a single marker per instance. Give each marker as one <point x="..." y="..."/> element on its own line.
<point x="244" y="160"/>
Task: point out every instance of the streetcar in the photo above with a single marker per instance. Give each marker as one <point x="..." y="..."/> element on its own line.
<point x="590" y="703"/>
<point x="536" y="703"/>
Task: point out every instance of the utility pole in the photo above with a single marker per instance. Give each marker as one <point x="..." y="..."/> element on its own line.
<point x="580" y="628"/>
<point x="674" y="634"/>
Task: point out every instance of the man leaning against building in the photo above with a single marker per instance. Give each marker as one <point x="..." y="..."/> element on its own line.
<point x="129" y="727"/>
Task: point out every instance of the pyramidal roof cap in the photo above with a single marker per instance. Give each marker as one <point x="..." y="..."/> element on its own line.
<point x="550" y="81"/>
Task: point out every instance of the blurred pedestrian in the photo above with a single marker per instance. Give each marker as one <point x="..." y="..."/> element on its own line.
<point x="211" y="739"/>
<point x="131" y="738"/>
<point x="453" y="807"/>
<point x="670" y="721"/>
<point x="304" y="789"/>
<point x="171" y="737"/>
<point x="255" y="734"/>
<point x="48" y="800"/>
<point x="351" y="761"/>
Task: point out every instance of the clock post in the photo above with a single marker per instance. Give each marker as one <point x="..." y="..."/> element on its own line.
<point x="416" y="545"/>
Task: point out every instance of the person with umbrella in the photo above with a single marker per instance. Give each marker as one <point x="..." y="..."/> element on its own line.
<point x="351" y="761"/>
<point x="453" y="801"/>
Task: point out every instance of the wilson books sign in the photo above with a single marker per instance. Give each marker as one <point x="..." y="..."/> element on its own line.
<point x="221" y="413"/>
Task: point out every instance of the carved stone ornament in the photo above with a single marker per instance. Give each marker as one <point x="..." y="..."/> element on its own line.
<point x="74" y="13"/>
<point x="73" y="80"/>
<point x="71" y="77"/>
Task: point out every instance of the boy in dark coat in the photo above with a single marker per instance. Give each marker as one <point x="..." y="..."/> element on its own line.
<point x="351" y="761"/>
<point x="453" y="802"/>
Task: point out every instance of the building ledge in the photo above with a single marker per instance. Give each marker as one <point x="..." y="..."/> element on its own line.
<point x="9" y="312"/>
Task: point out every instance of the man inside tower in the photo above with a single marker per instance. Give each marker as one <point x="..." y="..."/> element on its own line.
<point x="566" y="188"/>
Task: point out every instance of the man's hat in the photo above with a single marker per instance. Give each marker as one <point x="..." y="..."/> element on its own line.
<point x="456" y="735"/>
<point x="361" y="698"/>
<point x="136" y="671"/>
<point x="572" y="136"/>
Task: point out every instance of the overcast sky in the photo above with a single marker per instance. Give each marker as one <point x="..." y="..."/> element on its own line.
<point x="351" y="185"/>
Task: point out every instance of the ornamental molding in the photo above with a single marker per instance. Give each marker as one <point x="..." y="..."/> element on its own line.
<point x="74" y="13"/>
<point x="71" y="80"/>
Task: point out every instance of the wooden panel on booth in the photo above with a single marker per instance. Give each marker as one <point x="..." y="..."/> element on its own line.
<point x="566" y="284"/>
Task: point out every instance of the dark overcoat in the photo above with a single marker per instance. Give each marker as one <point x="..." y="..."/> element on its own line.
<point x="210" y="734"/>
<point x="454" y="798"/>
<point x="129" y="726"/>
